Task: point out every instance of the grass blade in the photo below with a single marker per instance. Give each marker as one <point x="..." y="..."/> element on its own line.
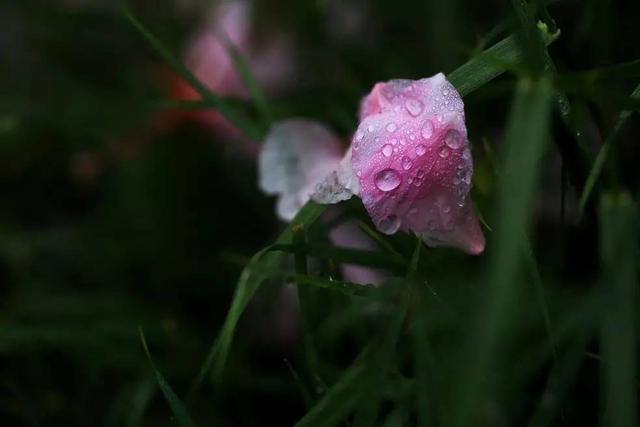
<point x="603" y="153"/>
<point x="258" y="269"/>
<point x="237" y="117"/>
<point x="177" y="407"/>
<point x="305" y="298"/>
<point x="619" y="245"/>
<point x="352" y="386"/>
<point x="243" y="68"/>
<point x="489" y="64"/>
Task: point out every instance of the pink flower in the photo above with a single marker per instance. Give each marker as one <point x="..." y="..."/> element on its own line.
<point x="409" y="162"/>
<point x="414" y="165"/>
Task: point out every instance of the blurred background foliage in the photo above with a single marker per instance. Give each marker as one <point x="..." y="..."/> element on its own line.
<point x="108" y="224"/>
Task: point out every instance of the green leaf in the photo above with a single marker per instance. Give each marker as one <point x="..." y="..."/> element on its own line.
<point x="619" y="347"/>
<point x="234" y="115"/>
<point x="177" y="408"/>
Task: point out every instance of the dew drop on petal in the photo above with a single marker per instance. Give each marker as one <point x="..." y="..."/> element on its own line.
<point x="390" y="224"/>
<point x="466" y="154"/>
<point x="427" y="129"/>
<point x="414" y="107"/>
<point x="387" y="180"/>
<point x="406" y="163"/>
<point x="453" y="139"/>
<point x="391" y="127"/>
<point x="443" y="152"/>
<point x="371" y="128"/>
<point x="359" y="136"/>
<point x="387" y="150"/>
<point x="421" y="149"/>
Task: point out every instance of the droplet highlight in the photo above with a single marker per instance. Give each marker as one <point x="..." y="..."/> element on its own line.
<point x="387" y="180"/>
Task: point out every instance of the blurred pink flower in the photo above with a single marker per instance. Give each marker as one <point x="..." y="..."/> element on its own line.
<point x="409" y="162"/>
<point x="207" y="57"/>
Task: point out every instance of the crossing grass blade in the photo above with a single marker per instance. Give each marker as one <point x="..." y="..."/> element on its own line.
<point x="603" y="154"/>
<point x="258" y="96"/>
<point x="341" y="398"/>
<point x="525" y="142"/>
<point x="178" y="409"/>
<point x="234" y="115"/>
<point x="259" y="268"/>
<point x="489" y="64"/>
<point x="305" y="298"/>
<point x="619" y="371"/>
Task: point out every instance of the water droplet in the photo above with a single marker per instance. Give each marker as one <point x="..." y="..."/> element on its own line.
<point x="371" y="128"/>
<point x="387" y="180"/>
<point x="414" y="107"/>
<point x="443" y="152"/>
<point x="445" y="91"/>
<point x="391" y="127"/>
<point x="427" y="129"/>
<point x="359" y="173"/>
<point x="390" y="224"/>
<point x="393" y="141"/>
<point x="387" y="150"/>
<point x="466" y="154"/>
<point x="359" y="136"/>
<point x="453" y="139"/>
<point x="406" y="163"/>
<point x="421" y="149"/>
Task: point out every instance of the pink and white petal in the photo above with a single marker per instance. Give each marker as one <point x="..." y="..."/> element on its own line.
<point x="296" y="155"/>
<point x="339" y="185"/>
<point x="414" y="163"/>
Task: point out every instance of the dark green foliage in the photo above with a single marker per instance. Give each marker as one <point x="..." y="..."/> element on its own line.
<point x="113" y="223"/>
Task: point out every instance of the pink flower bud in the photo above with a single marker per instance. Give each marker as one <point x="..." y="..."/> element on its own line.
<point x="413" y="162"/>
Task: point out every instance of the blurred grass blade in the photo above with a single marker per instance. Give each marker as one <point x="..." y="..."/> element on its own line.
<point x="258" y="270"/>
<point x="540" y="294"/>
<point x="525" y="142"/>
<point x="354" y="385"/>
<point x="140" y="400"/>
<point x="422" y="356"/>
<point x="234" y="115"/>
<point x="243" y="68"/>
<point x="603" y="153"/>
<point x="177" y="408"/>
<point x="620" y="251"/>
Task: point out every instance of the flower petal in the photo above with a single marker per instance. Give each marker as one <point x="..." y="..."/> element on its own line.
<point x="297" y="154"/>
<point x="339" y="185"/>
<point x="414" y="164"/>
